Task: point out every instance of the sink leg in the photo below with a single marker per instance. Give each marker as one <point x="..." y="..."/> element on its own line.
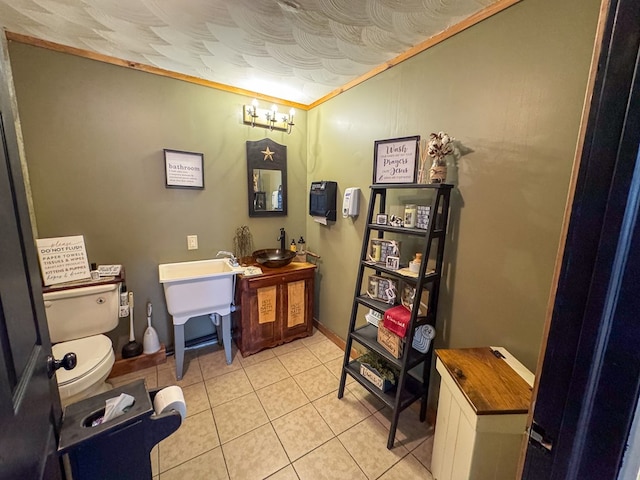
<point x="226" y="336"/>
<point x="223" y="322"/>
<point x="178" y="333"/>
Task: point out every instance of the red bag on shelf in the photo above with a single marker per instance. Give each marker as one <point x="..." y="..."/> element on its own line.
<point x="397" y="320"/>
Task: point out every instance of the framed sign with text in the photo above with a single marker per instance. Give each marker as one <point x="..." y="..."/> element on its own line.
<point x="62" y="259"/>
<point x="395" y="160"/>
<point x="183" y="169"/>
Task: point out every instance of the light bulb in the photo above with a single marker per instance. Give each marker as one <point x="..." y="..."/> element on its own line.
<point x="254" y="107"/>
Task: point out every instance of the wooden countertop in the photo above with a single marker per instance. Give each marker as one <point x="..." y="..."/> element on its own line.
<point x="292" y="267"/>
<point x="490" y="385"/>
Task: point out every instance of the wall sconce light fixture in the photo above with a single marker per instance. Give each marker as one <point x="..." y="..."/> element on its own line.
<point x="268" y="118"/>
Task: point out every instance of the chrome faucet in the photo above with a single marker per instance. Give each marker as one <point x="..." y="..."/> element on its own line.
<point x="232" y="257"/>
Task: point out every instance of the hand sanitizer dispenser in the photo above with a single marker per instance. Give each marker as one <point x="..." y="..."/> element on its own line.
<point x="351" y="202"/>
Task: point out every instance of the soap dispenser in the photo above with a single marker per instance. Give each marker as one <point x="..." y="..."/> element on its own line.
<point x="301" y="245"/>
<point x="95" y="275"/>
<point x="292" y="247"/>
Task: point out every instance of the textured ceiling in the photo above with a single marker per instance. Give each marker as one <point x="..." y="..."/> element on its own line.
<point x="297" y="50"/>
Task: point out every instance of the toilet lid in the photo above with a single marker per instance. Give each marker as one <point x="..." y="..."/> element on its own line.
<point x="90" y="351"/>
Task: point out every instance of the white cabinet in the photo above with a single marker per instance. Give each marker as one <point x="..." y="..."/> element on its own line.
<point x="482" y="413"/>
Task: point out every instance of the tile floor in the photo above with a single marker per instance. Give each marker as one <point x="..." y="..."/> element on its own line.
<point x="276" y="415"/>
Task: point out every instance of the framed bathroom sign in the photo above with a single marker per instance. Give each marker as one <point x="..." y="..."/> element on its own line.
<point x="395" y="160"/>
<point x="183" y="169"/>
<point x="62" y="259"/>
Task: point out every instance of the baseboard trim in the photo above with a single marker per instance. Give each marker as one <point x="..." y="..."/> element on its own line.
<point x="339" y="342"/>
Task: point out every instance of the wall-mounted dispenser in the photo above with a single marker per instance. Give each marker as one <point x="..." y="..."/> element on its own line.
<point x="322" y="201"/>
<point x="351" y="202"/>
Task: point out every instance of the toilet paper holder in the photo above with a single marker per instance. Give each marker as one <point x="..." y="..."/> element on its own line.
<point x="121" y="447"/>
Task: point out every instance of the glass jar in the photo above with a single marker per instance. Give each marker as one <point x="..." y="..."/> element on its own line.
<point x="410" y="212"/>
<point x="438" y="171"/>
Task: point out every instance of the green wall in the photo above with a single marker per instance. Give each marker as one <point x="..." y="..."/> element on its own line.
<point x="509" y="89"/>
<point x="94" y="135"/>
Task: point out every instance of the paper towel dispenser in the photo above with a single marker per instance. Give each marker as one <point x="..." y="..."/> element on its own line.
<point x="322" y="200"/>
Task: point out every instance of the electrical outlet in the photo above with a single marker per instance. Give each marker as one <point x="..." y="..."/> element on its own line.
<point x="192" y="242"/>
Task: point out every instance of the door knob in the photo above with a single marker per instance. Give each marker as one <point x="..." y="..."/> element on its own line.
<point x="69" y="361"/>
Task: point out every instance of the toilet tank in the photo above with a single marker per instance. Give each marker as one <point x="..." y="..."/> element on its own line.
<point x="82" y="311"/>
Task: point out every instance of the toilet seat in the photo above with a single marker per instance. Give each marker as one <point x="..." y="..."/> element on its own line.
<point x="95" y="359"/>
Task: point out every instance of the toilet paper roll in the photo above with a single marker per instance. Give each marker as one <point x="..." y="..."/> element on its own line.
<point x="170" y="398"/>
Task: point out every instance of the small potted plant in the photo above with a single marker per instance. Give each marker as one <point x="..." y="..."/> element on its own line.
<point x="243" y="245"/>
<point x="378" y="371"/>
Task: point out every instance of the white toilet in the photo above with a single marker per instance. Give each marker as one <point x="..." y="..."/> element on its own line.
<point x="76" y="318"/>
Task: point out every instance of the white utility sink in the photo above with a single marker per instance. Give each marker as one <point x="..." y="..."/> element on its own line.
<point x="204" y="287"/>
<point x="198" y="288"/>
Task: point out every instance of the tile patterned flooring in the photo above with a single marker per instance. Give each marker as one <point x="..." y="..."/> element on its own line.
<point x="276" y="415"/>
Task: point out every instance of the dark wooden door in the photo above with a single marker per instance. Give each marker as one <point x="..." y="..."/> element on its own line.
<point x="589" y="381"/>
<point x="29" y="402"/>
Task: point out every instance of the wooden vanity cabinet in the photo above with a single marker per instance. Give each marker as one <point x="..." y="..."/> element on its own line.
<point x="274" y="308"/>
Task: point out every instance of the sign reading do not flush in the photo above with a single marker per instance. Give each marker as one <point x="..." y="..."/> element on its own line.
<point x="63" y="259"/>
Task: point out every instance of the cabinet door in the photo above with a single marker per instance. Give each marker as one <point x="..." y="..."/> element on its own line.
<point x="260" y="318"/>
<point x="297" y="313"/>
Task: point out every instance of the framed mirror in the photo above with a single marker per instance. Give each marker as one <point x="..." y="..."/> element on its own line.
<point x="266" y="178"/>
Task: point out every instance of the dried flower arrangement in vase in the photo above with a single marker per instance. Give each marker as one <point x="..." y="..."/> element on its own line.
<point x="440" y="145"/>
<point x="243" y="244"/>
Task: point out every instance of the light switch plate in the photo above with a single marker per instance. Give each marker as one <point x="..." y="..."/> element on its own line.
<point x="192" y="242"/>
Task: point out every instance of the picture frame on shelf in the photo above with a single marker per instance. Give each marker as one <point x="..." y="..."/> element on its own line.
<point x="393" y="263"/>
<point x="183" y="169"/>
<point x="395" y="160"/>
<point x="407" y="296"/>
<point x="382" y="219"/>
